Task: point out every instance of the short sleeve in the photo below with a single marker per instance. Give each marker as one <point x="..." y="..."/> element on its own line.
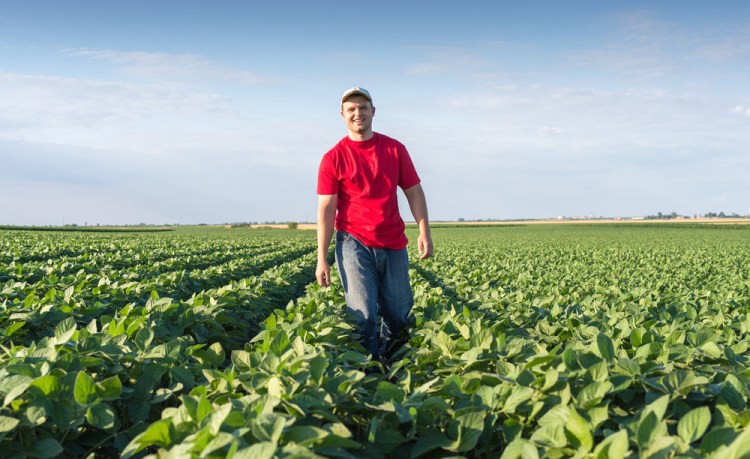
<point x="328" y="183"/>
<point x="407" y="176"/>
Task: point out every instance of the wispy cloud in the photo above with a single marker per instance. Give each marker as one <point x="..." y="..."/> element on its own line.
<point x="174" y="67"/>
<point x="448" y="60"/>
<point x="95" y="112"/>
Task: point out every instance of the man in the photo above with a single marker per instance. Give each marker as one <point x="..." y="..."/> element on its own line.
<point x="357" y="184"/>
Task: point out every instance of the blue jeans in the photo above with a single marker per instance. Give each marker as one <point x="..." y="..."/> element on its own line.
<point x="376" y="282"/>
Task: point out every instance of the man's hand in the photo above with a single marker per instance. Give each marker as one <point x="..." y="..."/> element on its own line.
<point x="424" y="245"/>
<point x="323" y="274"/>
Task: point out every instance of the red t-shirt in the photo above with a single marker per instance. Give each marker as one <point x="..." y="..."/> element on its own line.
<point x="365" y="176"/>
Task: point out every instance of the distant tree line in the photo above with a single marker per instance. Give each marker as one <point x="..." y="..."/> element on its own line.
<point x="661" y="216"/>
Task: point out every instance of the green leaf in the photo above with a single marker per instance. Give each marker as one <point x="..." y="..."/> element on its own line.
<point x="85" y="389"/>
<point x="102" y="416"/>
<point x="740" y="447"/>
<point x="109" y="389"/>
<point x="48" y="385"/>
<point x="262" y="450"/>
<point x="580" y="431"/>
<point x="387" y="391"/>
<point x="68" y="294"/>
<point x="658" y="407"/>
<point x="694" y="424"/>
<point x="46" y="448"/>
<point x="606" y="347"/>
<point x="268" y="427"/>
<point x="65" y="330"/>
<point x="647" y="430"/>
<point x="520" y="448"/>
<point x="7" y="423"/>
<point x="143" y="338"/>
<point x="305" y="435"/>
<point x="471" y="425"/>
<point x="14" y="327"/>
<point x="550" y="436"/>
<point x="613" y="447"/>
<point x="14" y="386"/>
<point x="317" y="366"/>
<point x="518" y="395"/>
<point x="241" y="360"/>
<point x="217" y="417"/>
<point x="430" y="441"/>
<point x="159" y="433"/>
<point x="716" y="439"/>
<point x="389" y="439"/>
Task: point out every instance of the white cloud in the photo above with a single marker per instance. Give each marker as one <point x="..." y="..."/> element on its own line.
<point x="174" y="67"/>
<point x="448" y="60"/>
<point x="742" y="110"/>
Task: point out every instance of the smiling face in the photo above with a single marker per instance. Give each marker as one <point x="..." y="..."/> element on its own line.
<point x="358" y="112"/>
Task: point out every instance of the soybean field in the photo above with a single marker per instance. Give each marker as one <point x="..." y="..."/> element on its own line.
<point x="592" y="341"/>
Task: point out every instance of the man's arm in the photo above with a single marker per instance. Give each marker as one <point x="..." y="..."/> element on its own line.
<point x="418" y="206"/>
<point x="326" y="217"/>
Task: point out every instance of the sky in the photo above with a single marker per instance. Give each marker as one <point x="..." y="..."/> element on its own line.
<point x="186" y="112"/>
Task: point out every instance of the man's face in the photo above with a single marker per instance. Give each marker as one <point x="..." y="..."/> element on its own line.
<point x="358" y="112"/>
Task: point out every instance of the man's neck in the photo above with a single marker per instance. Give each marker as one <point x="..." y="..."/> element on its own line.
<point x="360" y="136"/>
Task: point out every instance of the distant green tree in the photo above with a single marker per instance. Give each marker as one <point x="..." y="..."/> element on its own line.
<point x="292" y="225"/>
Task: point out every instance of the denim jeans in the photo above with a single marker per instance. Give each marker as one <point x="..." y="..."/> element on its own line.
<point x="376" y="283"/>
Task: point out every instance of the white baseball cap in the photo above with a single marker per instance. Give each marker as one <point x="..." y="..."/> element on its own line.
<point x="356" y="91"/>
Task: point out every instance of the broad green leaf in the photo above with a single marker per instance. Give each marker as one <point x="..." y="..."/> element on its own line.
<point x="693" y="425"/>
<point x="15" y="385"/>
<point x="389" y="392"/>
<point x="593" y="394"/>
<point x="109" y="389"/>
<point x="48" y="385"/>
<point x="658" y="407"/>
<point x="159" y="433"/>
<point x="262" y="450"/>
<point x="68" y="294"/>
<point x="7" y="424"/>
<point x="268" y="427"/>
<point x="388" y="439"/>
<point x="662" y="447"/>
<point x="605" y="346"/>
<point x="740" y="446"/>
<point x="14" y="327"/>
<point x="518" y="395"/>
<point x="101" y="416"/>
<point x="305" y="435"/>
<point x="520" y="449"/>
<point x="217" y="417"/>
<point x="550" y="435"/>
<point x="430" y="441"/>
<point x="85" y="389"/>
<point x="46" y="448"/>
<point x="65" y="330"/>
<point x="318" y="365"/>
<point x="275" y="387"/>
<point x="580" y="432"/>
<point x="733" y="397"/>
<point x="470" y="424"/>
<point x="143" y="338"/>
<point x="557" y="415"/>
<point x="716" y="439"/>
<point x="647" y="430"/>
<point x="241" y="360"/>
<point x="613" y="446"/>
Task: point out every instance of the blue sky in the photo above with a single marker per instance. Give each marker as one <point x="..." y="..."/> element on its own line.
<point x="213" y="112"/>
